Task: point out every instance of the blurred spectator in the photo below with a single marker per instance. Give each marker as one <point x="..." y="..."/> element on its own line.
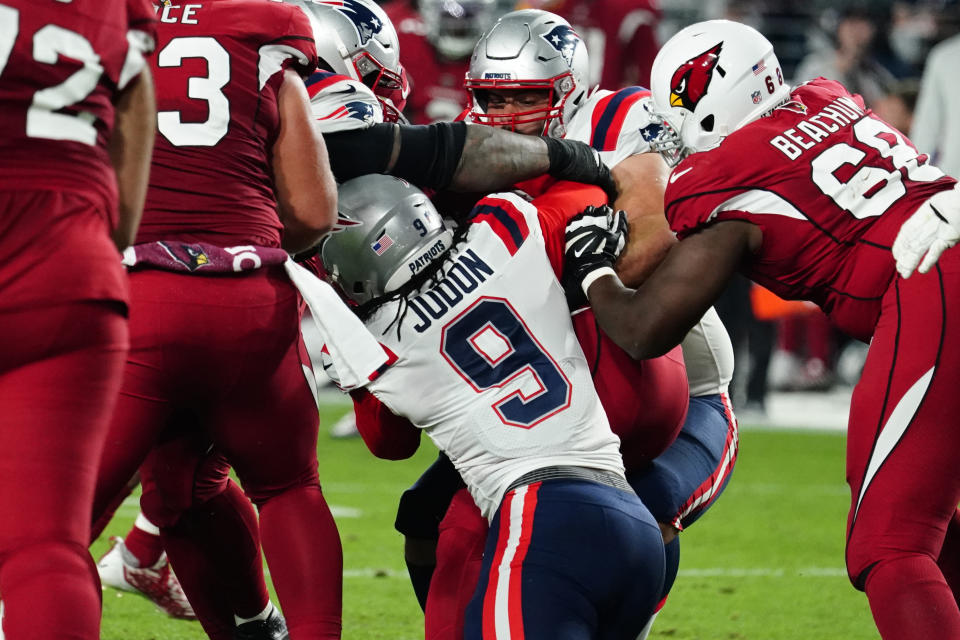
<point x="851" y="60"/>
<point x="807" y="352"/>
<point x="897" y="107"/>
<point x="936" y="123"/>
<point x="625" y="30"/>
<point x="436" y="40"/>
<point x="913" y="28"/>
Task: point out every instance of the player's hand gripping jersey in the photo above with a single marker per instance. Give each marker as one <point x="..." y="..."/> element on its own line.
<point x="230" y="123"/>
<point x="514" y="392"/>
<point x="821" y="242"/>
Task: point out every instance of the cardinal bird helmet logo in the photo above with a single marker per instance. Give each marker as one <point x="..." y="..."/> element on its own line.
<point x="692" y="79"/>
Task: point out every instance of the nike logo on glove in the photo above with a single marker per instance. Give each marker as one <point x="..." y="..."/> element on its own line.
<point x="677" y="174"/>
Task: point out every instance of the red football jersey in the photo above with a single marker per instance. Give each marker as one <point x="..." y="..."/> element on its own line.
<point x="436" y="85"/>
<point x="218" y="70"/>
<point x="829" y="184"/>
<point x="61" y="66"/>
<point x="645" y="400"/>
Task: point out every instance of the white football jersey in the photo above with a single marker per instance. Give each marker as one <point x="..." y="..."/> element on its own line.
<point x="340" y="103"/>
<point x="614" y="123"/>
<point x="487" y="361"/>
<point x="618" y="125"/>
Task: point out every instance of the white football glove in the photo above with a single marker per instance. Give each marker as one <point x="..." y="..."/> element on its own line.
<point x="931" y="230"/>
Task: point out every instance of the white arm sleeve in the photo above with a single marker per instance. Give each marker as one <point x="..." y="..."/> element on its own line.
<point x="708" y="354"/>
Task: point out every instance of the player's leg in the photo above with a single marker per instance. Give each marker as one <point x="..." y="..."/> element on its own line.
<point x="949" y="560"/>
<point x="901" y="457"/>
<point x="267" y="427"/>
<point x="209" y="530"/>
<point x="683" y="482"/>
<point x="419" y="513"/>
<point x="137" y="563"/>
<point x="58" y="383"/>
<point x="567" y="559"/>
<point x="463" y="535"/>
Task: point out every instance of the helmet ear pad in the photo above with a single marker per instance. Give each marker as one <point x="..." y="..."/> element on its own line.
<point x="712" y="78"/>
<point x="392" y="232"/>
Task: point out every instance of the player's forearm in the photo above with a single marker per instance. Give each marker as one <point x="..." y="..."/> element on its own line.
<point x="647" y="246"/>
<point x="634" y="321"/>
<point x="494" y="159"/>
<point x="131" y="150"/>
<point x="641" y="180"/>
<point x="305" y="189"/>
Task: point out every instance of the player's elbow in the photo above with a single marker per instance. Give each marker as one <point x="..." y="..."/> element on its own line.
<point x="393" y="450"/>
<point x="307" y="216"/>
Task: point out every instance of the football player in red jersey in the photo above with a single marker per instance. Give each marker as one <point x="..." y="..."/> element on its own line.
<point x="239" y="178"/>
<point x="76" y="129"/>
<point x="804" y="190"/>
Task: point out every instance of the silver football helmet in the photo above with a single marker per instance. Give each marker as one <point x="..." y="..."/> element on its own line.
<point x="530" y="49"/>
<point x="453" y="26"/>
<point x="393" y="231"/>
<point x="355" y="38"/>
<point x="707" y="81"/>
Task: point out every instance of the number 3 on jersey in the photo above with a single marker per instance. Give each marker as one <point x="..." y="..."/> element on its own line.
<point x="206" y="88"/>
<point x="490" y="346"/>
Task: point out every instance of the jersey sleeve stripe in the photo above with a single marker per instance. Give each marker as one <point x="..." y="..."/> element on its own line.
<point x="506" y="222"/>
<point x="613" y="112"/>
<point x="320" y="80"/>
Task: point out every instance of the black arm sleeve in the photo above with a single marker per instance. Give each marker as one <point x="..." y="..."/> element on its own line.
<point x="425" y="155"/>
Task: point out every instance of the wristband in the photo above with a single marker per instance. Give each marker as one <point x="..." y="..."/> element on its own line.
<point x="593" y="276"/>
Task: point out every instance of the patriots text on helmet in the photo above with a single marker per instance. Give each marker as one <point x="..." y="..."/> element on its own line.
<point x="425" y="258"/>
<point x="839" y="113"/>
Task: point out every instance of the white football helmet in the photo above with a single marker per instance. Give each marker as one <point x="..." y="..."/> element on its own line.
<point x="530" y="49"/>
<point x="355" y="38"/>
<point x="453" y="26"/>
<point x="707" y="81"/>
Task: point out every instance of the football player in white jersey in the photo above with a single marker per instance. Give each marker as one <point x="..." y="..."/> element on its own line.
<point x="528" y="74"/>
<point x="477" y="323"/>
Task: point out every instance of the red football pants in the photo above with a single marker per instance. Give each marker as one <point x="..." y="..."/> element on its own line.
<point x="220" y="355"/>
<point x="60" y="370"/>
<point x="902" y="448"/>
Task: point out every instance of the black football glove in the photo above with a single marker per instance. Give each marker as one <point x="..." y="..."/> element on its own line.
<point x="579" y="162"/>
<point x="595" y="237"/>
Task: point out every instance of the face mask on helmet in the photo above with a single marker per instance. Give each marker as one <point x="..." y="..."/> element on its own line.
<point x="529" y="50"/>
<point x="453" y="26"/>
<point x="709" y="80"/>
<point x="393" y="232"/>
<point x="394" y="100"/>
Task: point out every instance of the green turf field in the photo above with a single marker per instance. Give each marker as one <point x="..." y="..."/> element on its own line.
<point x="766" y="563"/>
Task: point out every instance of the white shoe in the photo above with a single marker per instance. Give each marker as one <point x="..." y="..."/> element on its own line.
<point x="345" y="427"/>
<point x="158" y="583"/>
